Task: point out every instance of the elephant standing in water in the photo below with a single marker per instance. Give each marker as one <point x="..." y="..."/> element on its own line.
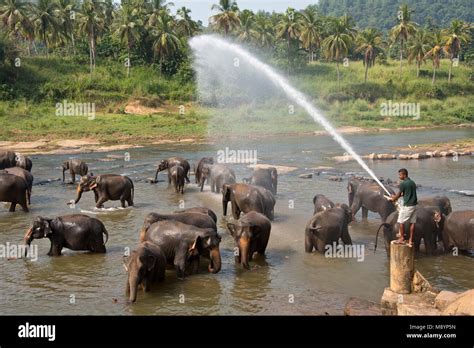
<point x="14" y="189"/>
<point x="9" y="159"/>
<point x="265" y="177"/>
<point x="198" y="170"/>
<point x="218" y="175"/>
<point x="145" y="266"/>
<point x="183" y="245"/>
<point x="177" y="178"/>
<point x="107" y="187"/>
<point x="245" y="198"/>
<point x="251" y="234"/>
<point x="76" y="167"/>
<point x="75" y="232"/>
<point x="369" y="196"/>
<point x="442" y="202"/>
<point x="458" y="231"/>
<point x="170" y="162"/>
<point x="321" y="203"/>
<point x="327" y="227"/>
<point x="201" y="210"/>
<point x="24" y="174"/>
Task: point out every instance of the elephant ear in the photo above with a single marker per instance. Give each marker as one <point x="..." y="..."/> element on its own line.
<point x="47" y="229"/>
<point x="151" y="260"/>
<point x="125" y="260"/>
<point x="95" y="182"/>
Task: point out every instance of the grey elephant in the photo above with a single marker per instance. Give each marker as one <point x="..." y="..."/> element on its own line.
<point x="251" y="234"/>
<point x="321" y="203"/>
<point x="369" y="196"/>
<point x="201" y="210"/>
<point x="198" y="170"/>
<point x="75" y="232"/>
<point x="458" y="231"/>
<point x="328" y="227"/>
<point x="245" y="198"/>
<point x="184" y="244"/>
<point x="168" y="163"/>
<point x="107" y="187"/>
<point x="218" y="175"/>
<point x="145" y="266"/>
<point x="177" y="178"/>
<point x="265" y="177"/>
<point x="75" y="167"/>
<point x="10" y="159"/>
<point x="14" y="189"/>
<point x="427" y="227"/>
<point x="24" y="174"/>
<point x="442" y="202"/>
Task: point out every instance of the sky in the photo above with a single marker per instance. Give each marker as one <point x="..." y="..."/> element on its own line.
<point x="201" y="9"/>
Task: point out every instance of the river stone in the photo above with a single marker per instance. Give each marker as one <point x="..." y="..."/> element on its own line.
<point x="416" y="309"/>
<point x="358" y="306"/>
<point x="305" y="176"/>
<point x="335" y="178"/>
<point x="463" y="305"/>
<point x="403" y="156"/>
<point x="445" y="298"/>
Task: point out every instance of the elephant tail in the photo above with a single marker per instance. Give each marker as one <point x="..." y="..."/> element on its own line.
<point x="384" y="224"/>
<point x="104" y="231"/>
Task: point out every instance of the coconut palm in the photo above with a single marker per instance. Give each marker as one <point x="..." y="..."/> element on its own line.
<point x="66" y="13"/>
<point x="458" y="33"/>
<point x="263" y="34"/>
<point x="186" y="26"/>
<point x="165" y="40"/>
<point x="418" y="46"/>
<point x="311" y="31"/>
<point x="227" y="19"/>
<point x="403" y="30"/>
<point x="369" y="42"/>
<point x="289" y="29"/>
<point x="435" y="52"/>
<point x="156" y="8"/>
<point x="128" y="31"/>
<point x="12" y="14"/>
<point x="245" y="31"/>
<point x="45" y="21"/>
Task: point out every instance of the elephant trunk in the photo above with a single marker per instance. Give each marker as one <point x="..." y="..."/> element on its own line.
<point x="215" y="265"/>
<point x="203" y="179"/>
<point x="28" y="238"/>
<point x="386" y="225"/>
<point x="132" y="287"/>
<point x="156" y="174"/>
<point x="79" y="194"/>
<point x="244" y="252"/>
<point x="224" y="206"/>
<point x="64" y="177"/>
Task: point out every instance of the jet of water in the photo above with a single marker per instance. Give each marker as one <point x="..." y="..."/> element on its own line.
<point x="208" y="43"/>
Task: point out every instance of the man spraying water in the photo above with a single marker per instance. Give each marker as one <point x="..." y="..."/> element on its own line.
<point x="407" y="211"/>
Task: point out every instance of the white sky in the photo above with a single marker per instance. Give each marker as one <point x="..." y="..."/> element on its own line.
<point x="201" y="9"/>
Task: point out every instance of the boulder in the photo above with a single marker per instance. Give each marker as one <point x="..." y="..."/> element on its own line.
<point x="335" y="178"/>
<point x="463" y="305"/>
<point x="403" y="156"/>
<point x="358" y="306"/>
<point x="419" y="156"/>
<point x="305" y="176"/>
<point x="445" y="298"/>
<point x="416" y="309"/>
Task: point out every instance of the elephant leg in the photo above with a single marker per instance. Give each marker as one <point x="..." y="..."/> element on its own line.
<point x="96" y="196"/>
<point x="122" y="202"/>
<point x="101" y="201"/>
<point x="356" y="205"/>
<point x="308" y="243"/>
<point x="12" y="207"/>
<point x="235" y="211"/>
<point x="73" y="176"/>
<point x="218" y="184"/>
<point x="346" y="238"/>
<point x="365" y="213"/>
<point x="320" y="246"/>
<point x="56" y="250"/>
<point x="24" y="206"/>
<point x="99" y="246"/>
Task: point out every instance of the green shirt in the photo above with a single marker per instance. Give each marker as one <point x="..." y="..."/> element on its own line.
<point x="408" y="187"/>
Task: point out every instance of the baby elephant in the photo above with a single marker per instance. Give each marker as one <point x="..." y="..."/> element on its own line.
<point x="145" y="266"/>
<point x="251" y="233"/>
<point x="177" y="177"/>
<point x="75" y="232"/>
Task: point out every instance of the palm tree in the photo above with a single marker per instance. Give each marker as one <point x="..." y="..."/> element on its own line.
<point x="128" y="31"/>
<point x="66" y="15"/>
<point x="336" y="45"/>
<point x="228" y="17"/>
<point x="45" y="21"/>
<point x="186" y="26"/>
<point x="435" y="52"/>
<point x="369" y="42"/>
<point x="14" y="16"/>
<point x="91" y="22"/>
<point x="458" y="33"/>
<point x="311" y="31"/>
<point x="263" y="34"/>
<point x="289" y="29"/>
<point x="403" y="30"/>
<point x="247" y="21"/>
<point x="417" y="49"/>
<point x="165" y="40"/>
<point x="157" y="8"/>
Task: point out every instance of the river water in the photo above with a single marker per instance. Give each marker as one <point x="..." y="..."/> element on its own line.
<point x="286" y="281"/>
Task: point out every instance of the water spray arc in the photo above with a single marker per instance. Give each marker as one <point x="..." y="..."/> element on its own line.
<point x="208" y="42"/>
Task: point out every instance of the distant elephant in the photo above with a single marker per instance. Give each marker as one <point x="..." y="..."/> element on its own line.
<point x="22" y="173"/>
<point x="10" y="159"/>
<point x="107" y="187"/>
<point x="369" y="196"/>
<point x="428" y="226"/>
<point x="170" y="162"/>
<point x="442" y="202"/>
<point x="75" y="232"/>
<point x="145" y="266"/>
<point x="177" y="178"/>
<point x="327" y="227"/>
<point x="218" y="175"/>
<point x="14" y="189"/>
<point x="265" y="177"/>
<point x="184" y="244"/>
<point x="196" y="219"/>
<point x="198" y="170"/>
<point x="458" y="231"/>
<point x="24" y="162"/>
<point x="201" y="210"/>
<point x="76" y="167"/>
<point x="321" y="203"/>
<point x="251" y="234"/>
<point x="245" y="198"/>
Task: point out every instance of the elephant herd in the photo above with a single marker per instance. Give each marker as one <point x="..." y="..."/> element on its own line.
<point x="180" y="239"/>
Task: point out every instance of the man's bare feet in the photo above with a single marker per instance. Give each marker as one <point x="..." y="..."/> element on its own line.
<point x="410" y="243"/>
<point x="400" y="241"/>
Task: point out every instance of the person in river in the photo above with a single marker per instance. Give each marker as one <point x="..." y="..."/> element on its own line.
<point x="408" y="209"/>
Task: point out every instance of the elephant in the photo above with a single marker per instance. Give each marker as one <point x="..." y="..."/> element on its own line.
<point x="145" y="266"/>
<point x="177" y="178"/>
<point x="265" y="177"/>
<point x="245" y="198"/>
<point x="251" y="234"/>
<point x="321" y="203"/>
<point x="170" y="162"/>
<point x="76" y="167"/>
<point x="75" y="232"/>
<point x="196" y="219"/>
<point x="183" y="244"/>
<point x="327" y="227"/>
<point x="107" y="187"/>
<point x="10" y="159"/>
<point x="458" y="231"/>
<point x="22" y="173"/>
<point x="427" y="227"/>
<point x="14" y="189"/>
<point x="218" y="175"/>
<point x="369" y="196"/>
<point x="198" y="170"/>
<point x="442" y="202"/>
<point x="200" y="210"/>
